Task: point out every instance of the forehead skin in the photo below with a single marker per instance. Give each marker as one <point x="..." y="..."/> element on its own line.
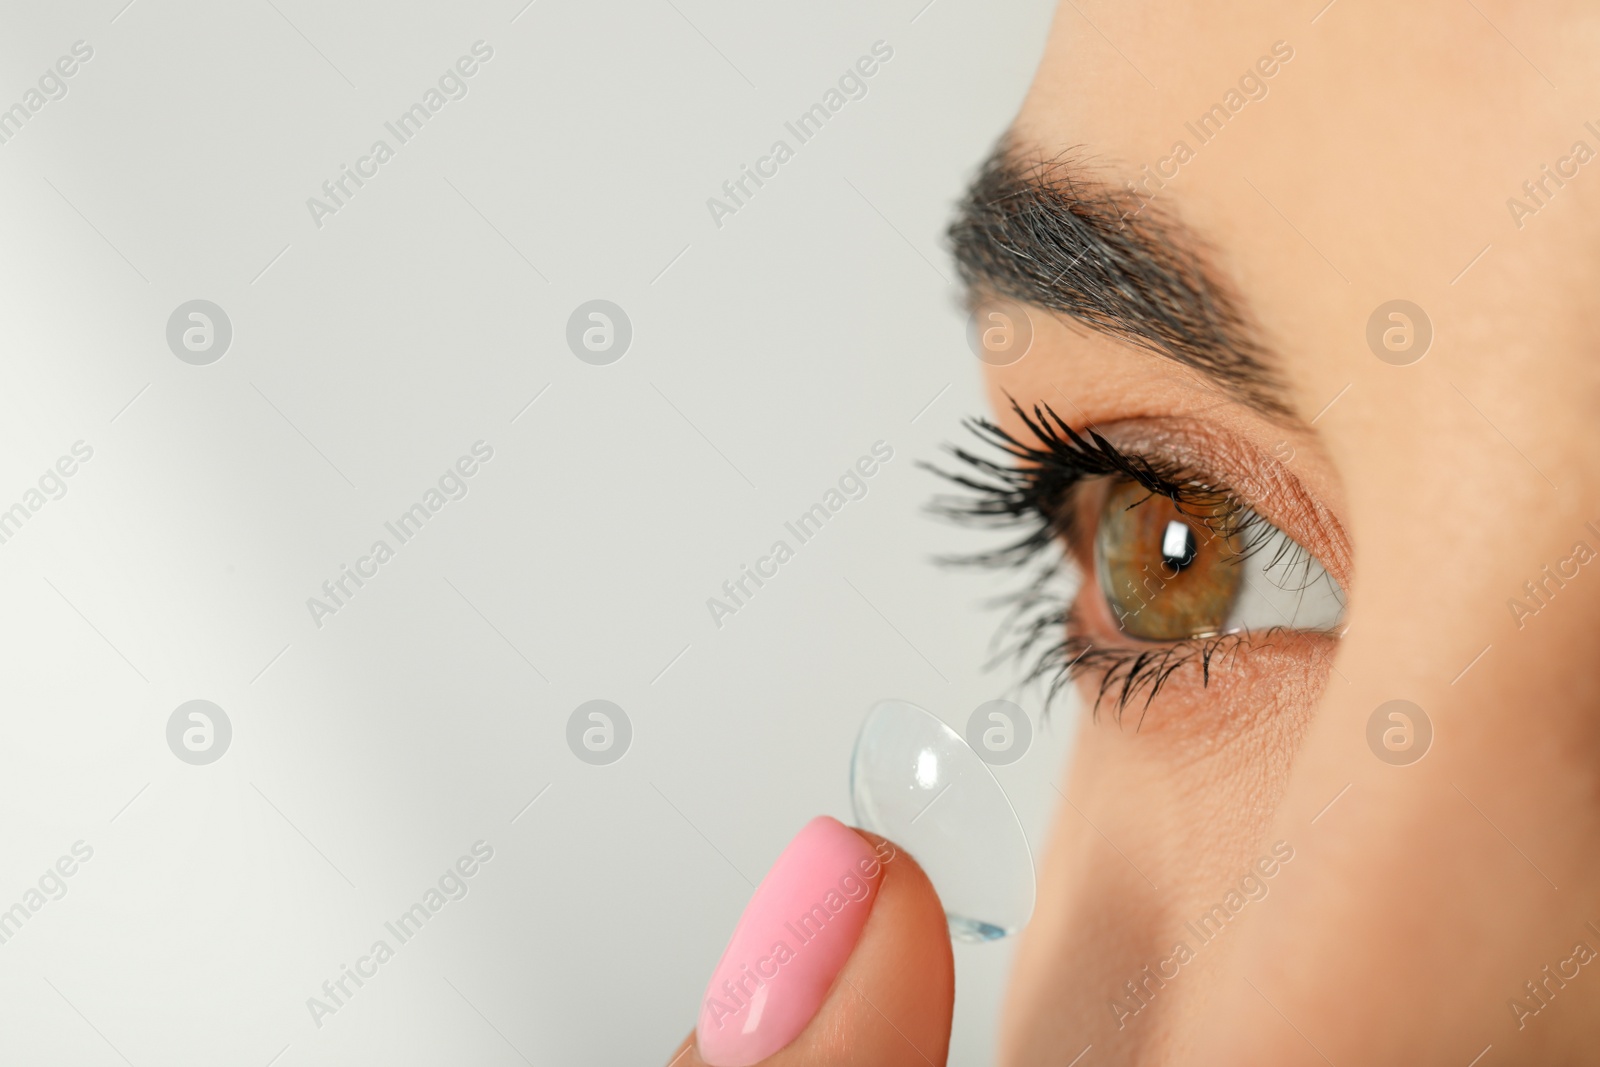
<point x="1377" y="167"/>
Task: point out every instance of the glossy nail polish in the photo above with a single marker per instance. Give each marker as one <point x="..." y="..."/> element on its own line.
<point x="793" y="939"/>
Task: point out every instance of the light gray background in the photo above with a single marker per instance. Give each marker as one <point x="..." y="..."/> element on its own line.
<point x="368" y="355"/>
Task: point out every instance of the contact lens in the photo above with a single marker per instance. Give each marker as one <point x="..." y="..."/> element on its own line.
<point x="917" y="782"/>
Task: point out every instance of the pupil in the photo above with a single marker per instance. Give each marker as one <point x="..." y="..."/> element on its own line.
<point x="1178" y="545"/>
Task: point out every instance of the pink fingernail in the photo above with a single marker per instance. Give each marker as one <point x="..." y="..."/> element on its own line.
<point x="790" y="944"/>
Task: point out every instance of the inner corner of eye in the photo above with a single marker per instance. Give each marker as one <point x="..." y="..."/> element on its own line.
<point x="1173" y="573"/>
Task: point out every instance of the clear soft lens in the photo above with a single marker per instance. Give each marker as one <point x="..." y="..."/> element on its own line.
<point x="917" y="782"/>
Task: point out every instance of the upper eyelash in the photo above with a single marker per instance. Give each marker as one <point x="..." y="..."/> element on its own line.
<point x="1032" y="489"/>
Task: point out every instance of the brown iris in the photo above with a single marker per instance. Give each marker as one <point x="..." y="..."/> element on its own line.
<point x="1166" y="574"/>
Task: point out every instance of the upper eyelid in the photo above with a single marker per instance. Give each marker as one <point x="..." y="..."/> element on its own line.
<point x="1078" y="458"/>
<point x="1261" y="482"/>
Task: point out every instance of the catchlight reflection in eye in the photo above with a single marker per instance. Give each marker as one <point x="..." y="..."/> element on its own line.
<point x="1171" y="575"/>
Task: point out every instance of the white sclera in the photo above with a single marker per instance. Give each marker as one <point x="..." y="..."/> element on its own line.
<point x="1283" y="585"/>
<point x="917" y="782"/>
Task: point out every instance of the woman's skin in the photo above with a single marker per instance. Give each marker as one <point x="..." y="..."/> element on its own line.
<point x="1418" y="899"/>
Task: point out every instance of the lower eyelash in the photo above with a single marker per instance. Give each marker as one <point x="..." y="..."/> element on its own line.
<point x="1041" y="630"/>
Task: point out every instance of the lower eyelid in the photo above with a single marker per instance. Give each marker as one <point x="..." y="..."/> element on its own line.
<point x="1122" y="675"/>
<point x="1209" y="687"/>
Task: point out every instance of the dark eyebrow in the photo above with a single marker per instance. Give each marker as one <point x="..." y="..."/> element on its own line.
<point x="1049" y="233"/>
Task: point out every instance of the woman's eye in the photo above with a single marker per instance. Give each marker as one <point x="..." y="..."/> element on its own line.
<point x="1171" y="575"/>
